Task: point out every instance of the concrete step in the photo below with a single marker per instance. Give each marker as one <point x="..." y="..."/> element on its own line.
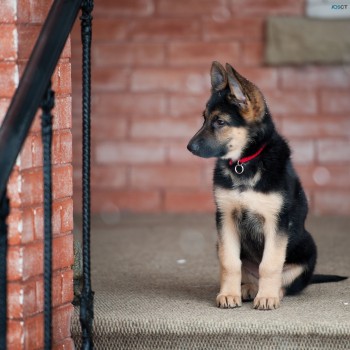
<point x="156" y="278"/>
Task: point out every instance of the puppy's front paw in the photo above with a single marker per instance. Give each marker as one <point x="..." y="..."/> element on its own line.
<point x="267" y="303"/>
<point x="228" y="301"/>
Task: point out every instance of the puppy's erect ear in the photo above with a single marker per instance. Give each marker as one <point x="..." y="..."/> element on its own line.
<point x="218" y="76"/>
<point x="245" y="95"/>
<point x="235" y="87"/>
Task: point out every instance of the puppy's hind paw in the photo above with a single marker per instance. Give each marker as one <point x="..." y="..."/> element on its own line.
<point x="249" y="291"/>
<point x="228" y="301"/>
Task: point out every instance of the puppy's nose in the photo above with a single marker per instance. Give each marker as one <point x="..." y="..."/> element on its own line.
<point x="193" y="147"/>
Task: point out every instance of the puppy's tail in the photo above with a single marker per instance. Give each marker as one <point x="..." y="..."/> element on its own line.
<point x="326" y="278"/>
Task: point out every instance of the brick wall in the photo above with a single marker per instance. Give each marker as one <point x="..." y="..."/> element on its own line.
<point x="20" y="22"/>
<point x="151" y="61"/>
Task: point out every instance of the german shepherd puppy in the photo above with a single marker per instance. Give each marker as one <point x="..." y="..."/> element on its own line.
<point x="263" y="247"/>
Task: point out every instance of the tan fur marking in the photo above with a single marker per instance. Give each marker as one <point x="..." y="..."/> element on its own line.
<point x="230" y="264"/>
<point x="290" y="273"/>
<point x="237" y="137"/>
<point x="270" y="271"/>
<point x="266" y="205"/>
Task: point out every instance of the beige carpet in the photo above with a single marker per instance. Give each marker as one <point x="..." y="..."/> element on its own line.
<point x="156" y="278"/>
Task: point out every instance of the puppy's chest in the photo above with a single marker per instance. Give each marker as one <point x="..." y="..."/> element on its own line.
<point x="254" y="214"/>
<point x="262" y="206"/>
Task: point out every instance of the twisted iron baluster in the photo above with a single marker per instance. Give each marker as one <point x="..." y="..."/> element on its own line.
<point x="46" y="132"/>
<point x="87" y="295"/>
<point x="4" y="212"/>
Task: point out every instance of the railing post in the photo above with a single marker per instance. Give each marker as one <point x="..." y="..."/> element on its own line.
<point x="4" y="212"/>
<point x="46" y="132"/>
<point x="87" y="295"/>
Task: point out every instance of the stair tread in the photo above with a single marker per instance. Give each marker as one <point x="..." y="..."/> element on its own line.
<point x="156" y="279"/>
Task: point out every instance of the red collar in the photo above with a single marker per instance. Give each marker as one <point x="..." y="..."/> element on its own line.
<point x="239" y="167"/>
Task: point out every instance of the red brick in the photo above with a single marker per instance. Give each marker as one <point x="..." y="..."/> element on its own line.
<point x="15" y="332"/>
<point x="165" y="128"/>
<point x="333" y="150"/>
<point x="303" y="151"/>
<point x="314" y="77"/>
<point x="29" y="299"/>
<point x="56" y="292"/>
<point x="130" y="54"/>
<point x="108" y="176"/>
<point x="166" y="176"/>
<point x="15" y="263"/>
<point x="4" y="104"/>
<point x="164" y="29"/>
<point x="126" y="200"/>
<point x="32" y="260"/>
<point x="264" y="78"/>
<point x="267" y="7"/>
<point x="109" y="29"/>
<point x="189" y="202"/>
<point x="325" y="175"/>
<point x="185" y="105"/>
<point x="238" y="28"/>
<point x="63" y="252"/>
<point x="15" y="227"/>
<point x="27" y="36"/>
<point x="65" y="153"/>
<point x="56" y="217"/>
<point x="185" y="8"/>
<point x="129" y="104"/>
<point x="332" y="202"/>
<point x="32" y="187"/>
<point x="61" y="150"/>
<point x="67" y="286"/>
<point x="9" y="78"/>
<point x="27" y="225"/>
<point x="108" y="127"/>
<point x="321" y="126"/>
<point x="26" y="160"/>
<point x="66" y="211"/>
<point x="291" y="102"/>
<point x="65" y="344"/>
<point x="8" y="47"/>
<point x="14" y="189"/>
<point x="252" y="53"/>
<point x="34" y="332"/>
<point x="106" y="79"/>
<point x="38" y="222"/>
<point x="32" y="11"/>
<point x="62" y="177"/>
<point x="122" y="8"/>
<point x="61" y="81"/>
<point x="15" y="300"/>
<point x="199" y="53"/>
<point x="129" y="152"/>
<point x="194" y="81"/>
<point x="8" y="11"/>
<point x="62" y="113"/>
<point x="61" y="320"/>
<point x="335" y="101"/>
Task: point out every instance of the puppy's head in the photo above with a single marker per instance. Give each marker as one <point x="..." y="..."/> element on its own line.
<point x="232" y="117"/>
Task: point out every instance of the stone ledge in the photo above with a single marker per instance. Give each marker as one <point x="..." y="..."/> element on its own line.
<point x="298" y="40"/>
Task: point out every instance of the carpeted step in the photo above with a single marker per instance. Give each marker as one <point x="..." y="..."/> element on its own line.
<point x="156" y="278"/>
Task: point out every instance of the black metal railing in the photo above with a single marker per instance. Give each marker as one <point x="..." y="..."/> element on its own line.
<point x="34" y="91"/>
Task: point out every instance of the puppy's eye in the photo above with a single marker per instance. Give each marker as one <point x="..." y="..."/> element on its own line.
<point x="220" y="122"/>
